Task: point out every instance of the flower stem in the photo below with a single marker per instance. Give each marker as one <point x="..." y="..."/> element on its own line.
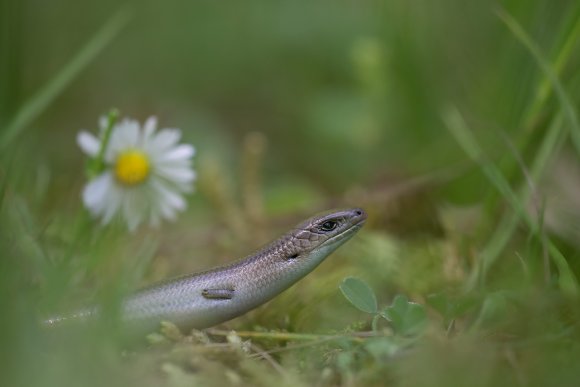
<point x="98" y="164"/>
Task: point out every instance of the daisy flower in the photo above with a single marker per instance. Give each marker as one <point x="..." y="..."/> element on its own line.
<point x="145" y="172"/>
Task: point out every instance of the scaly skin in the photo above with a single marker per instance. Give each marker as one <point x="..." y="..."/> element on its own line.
<point x="208" y="298"/>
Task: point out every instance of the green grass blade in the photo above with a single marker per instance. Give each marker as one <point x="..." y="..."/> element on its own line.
<point x="571" y="37"/>
<point x="42" y="99"/>
<point x="549" y="72"/>
<point x="465" y="138"/>
<point x="457" y="126"/>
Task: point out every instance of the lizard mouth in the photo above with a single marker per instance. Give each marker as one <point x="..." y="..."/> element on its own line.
<point x="349" y="232"/>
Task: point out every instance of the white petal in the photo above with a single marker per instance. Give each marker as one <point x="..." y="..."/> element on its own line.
<point x="88" y="143"/>
<point x="126" y="134"/>
<point x="167" y="195"/>
<point x="133" y="208"/>
<point x="180" y="152"/>
<point x="165" y="138"/>
<point x="167" y="211"/>
<point x="115" y="147"/>
<point x="183" y="187"/>
<point x="114" y="198"/>
<point x="181" y="175"/>
<point x="158" y="209"/>
<point x="149" y="126"/>
<point x="95" y="192"/>
<point x="173" y="164"/>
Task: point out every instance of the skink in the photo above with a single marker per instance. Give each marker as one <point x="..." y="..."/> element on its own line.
<point x="201" y="300"/>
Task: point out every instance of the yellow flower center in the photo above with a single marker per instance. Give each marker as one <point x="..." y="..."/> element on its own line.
<point x="132" y="167"/>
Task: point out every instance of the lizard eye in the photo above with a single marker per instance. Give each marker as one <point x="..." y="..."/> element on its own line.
<point x="329" y="225"/>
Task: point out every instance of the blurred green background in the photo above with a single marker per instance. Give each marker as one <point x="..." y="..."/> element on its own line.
<point x="436" y="117"/>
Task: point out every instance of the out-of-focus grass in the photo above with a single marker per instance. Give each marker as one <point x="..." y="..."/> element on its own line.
<point x="293" y="108"/>
<point x="46" y="95"/>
